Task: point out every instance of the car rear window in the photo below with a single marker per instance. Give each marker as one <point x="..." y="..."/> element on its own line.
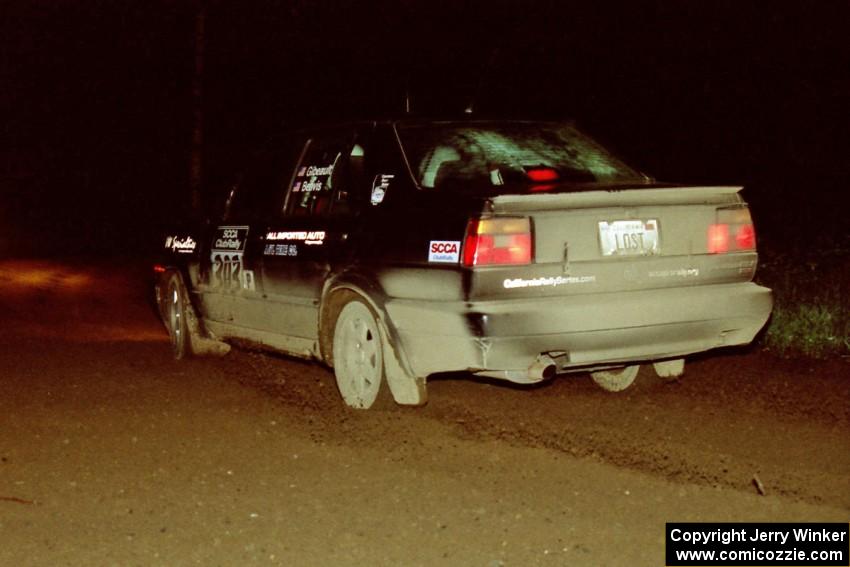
<point x="493" y="155"/>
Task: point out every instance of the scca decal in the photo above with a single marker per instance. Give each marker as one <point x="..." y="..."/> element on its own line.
<point x="443" y="247"/>
<point x="445" y="251"/>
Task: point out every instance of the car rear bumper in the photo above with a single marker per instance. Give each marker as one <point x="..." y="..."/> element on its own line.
<point x="593" y="329"/>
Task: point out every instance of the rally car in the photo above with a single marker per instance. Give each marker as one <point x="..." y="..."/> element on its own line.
<point x="393" y="250"/>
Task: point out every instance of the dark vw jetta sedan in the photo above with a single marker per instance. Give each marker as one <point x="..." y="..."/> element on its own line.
<point x="516" y="250"/>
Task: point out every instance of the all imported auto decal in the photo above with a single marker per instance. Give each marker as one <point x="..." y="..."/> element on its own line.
<point x="227" y="270"/>
<point x="309" y="237"/>
<point x="444" y="251"/>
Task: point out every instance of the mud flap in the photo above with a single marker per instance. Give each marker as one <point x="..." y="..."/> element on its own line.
<point x="199" y="344"/>
<point x="407" y="390"/>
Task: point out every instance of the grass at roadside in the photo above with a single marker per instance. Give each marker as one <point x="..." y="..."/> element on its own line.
<point x="811" y="314"/>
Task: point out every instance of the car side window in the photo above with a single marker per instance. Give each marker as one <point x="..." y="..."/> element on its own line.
<point x="323" y="182"/>
<point x="261" y="187"/>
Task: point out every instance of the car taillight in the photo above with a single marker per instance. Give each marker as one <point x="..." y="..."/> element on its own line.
<point x="542" y="174"/>
<point x="497" y="241"/>
<point x="542" y="178"/>
<point x="733" y="231"/>
<point x="718" y="238"/>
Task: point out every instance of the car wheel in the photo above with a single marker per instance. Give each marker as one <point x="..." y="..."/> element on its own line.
<point x="670" y="370"/>
<point x="617" y="379"/>
<point x="176" y="317"/>
<point x="358" y="357"/>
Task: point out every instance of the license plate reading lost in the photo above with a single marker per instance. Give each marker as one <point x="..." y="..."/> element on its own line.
<point x="629" y="237"/>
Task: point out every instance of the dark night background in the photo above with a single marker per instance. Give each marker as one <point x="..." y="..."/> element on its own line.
<point x="96" y="97"/>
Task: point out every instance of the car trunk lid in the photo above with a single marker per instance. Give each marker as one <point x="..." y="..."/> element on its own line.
<point x="619" y="240"/>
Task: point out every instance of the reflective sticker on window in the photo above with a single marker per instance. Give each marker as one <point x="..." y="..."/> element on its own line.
<point x="379" y="188"/>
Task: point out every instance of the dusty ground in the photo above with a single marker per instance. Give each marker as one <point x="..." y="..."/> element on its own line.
<point x="113" y="454"/>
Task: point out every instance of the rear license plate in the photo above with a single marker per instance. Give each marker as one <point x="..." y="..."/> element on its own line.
<point x="629" y="237"/>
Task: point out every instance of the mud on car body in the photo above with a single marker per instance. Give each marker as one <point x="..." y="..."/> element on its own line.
<point x="518" y="250"/>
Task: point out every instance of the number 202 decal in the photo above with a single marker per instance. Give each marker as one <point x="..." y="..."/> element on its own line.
<point x="226" y="270"/>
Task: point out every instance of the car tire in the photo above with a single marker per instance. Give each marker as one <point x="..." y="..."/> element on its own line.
<point x="670" y="370"/>
<point x="358" y="358"/>
<point x="175" y="314"/>
<point x="616" y="379"/>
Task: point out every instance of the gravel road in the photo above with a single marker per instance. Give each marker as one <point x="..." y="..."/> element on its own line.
<point x="111" y="453"/>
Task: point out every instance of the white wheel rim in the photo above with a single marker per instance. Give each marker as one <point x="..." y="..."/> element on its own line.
<point x="358" y="359"/>
<point x="175" y="316"/>
<point x="616" y="380"/>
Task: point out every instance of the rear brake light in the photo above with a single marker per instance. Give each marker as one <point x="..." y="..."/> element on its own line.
<point x="159" y="269"/>
<point x="542" y="174"/>
<point x="745" y="237"/>
<point x="733" y="231"/>
<point x="497" y="241"/>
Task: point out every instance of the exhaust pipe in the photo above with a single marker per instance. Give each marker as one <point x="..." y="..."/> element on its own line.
<point x="543" y="369"/>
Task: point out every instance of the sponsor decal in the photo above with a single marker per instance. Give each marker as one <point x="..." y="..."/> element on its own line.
<point x="512" y="283"/>
<point x="180" y="245"/>
<point x="676" y="273"/>
<point x="379" y="188"/>
<point x="377" y="195"/>
<point x="444" y="251"/>
<point x="309" y="237"/>
<point x="281" y="250"/>
<point x="230" y="238"/>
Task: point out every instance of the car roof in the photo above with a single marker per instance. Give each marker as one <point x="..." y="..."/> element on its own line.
<point x="420" y="120"/>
